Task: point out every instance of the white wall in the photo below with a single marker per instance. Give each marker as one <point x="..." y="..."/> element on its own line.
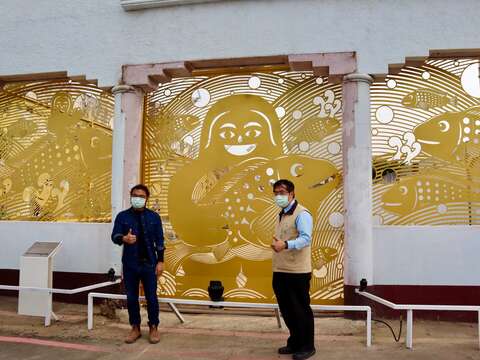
<point x="426" y="255"/>
<point x="86" y="247"/>
<point x="95" y="37"/>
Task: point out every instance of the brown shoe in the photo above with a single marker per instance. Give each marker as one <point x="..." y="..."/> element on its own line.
<point x="154" y="336"/>
<point x="133" y="335"/>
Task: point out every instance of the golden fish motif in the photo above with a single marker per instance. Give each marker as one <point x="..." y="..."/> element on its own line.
<point x="314" y="129"/>
<point x="427" y="98"/>
<point x="452" y="136"/>
<point x="419" y="192"/>
<point x="20" y="128"/>
<point x="241" y="213"/>
<point x="11" y="134"/>
<point x="323" y="255"/>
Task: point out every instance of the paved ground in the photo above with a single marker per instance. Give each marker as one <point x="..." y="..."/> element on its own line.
<point x="218" y="336"/>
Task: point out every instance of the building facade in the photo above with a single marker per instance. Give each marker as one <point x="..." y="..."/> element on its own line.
<point x="369" y="106"/>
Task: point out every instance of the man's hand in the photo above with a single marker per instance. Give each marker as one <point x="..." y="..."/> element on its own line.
<point x="129" y="238"/>
<point x="278" y="245"/>
<point x="159" y="269"/>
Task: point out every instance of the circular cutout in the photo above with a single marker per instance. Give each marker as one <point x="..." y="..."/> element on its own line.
<point x="425" y="75"/>
<point x="319" y="80"/>
<point x="188" y="140"/>
<point x="384" y="114"/>
<point x="389" y="176"/>
<point x="280" y="111"/>
<point x="297" y="114"/>
<point x="304" y="146"/>
<point x="336" y="219"/>
<point x="334" y="148"/>
<point x="254" y="82"/>
<point x="201" y="97"/>
<point x="469" y="80"/>
<point x="391" y="84"/>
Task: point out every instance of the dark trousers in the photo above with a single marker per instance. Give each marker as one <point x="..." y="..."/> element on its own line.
<point x="293" y="297"/>
<point x="132" y="276"/>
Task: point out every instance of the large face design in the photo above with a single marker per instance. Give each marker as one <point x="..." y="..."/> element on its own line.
<point x="242" y="126"/>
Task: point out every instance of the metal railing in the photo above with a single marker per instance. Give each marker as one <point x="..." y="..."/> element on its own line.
<point x="411" y="307"/>
<point x="48" y="311"/>
<point x="173" y="302"/>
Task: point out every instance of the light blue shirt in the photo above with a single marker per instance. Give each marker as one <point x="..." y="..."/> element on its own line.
<point x="304" y="224"/>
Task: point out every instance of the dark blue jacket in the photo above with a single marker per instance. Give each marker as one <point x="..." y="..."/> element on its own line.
<point x="153" y="235"/>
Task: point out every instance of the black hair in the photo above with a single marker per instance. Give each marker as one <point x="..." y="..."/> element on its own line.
<point x="140" y="187"/>
<point x="287" y="183"/>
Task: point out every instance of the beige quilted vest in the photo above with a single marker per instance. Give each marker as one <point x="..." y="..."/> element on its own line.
<point x="291" y="260"/>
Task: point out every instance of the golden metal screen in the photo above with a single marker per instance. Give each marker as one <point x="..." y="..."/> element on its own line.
<point x="55" y="152"/>
<point x="426" y="131"/>
<point x="213" y="146"/>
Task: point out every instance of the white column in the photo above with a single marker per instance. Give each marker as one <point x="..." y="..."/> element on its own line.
<point x="357" y="167"/>
<point x="124" y="141"/>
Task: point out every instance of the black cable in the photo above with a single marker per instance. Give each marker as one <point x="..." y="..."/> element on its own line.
<point x="397" y="339"/>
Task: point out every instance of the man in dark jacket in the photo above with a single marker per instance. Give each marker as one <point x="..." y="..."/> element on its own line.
<point x="140" y="232"/>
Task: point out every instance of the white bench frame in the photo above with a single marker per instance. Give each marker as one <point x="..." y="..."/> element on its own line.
<point x="411" y="307"/>
<point x="173" y="302"/>
<point x="48" y="312"/>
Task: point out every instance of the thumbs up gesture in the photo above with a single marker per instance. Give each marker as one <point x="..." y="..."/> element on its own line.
<point x="129" y="238"/>
<point x="278" y="245"/>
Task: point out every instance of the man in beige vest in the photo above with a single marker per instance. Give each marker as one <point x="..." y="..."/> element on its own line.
<point x="292" y="270"/>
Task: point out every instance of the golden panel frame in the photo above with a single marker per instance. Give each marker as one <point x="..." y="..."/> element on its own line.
<point x="425" y="140"/>
<point x="213" y="147"/>
<point x="55" y="152"/>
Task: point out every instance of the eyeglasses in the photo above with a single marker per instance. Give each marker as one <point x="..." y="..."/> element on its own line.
<point x="281" y="192"/>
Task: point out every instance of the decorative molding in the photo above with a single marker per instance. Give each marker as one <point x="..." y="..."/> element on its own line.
<point x="131" y="5"/>
<point x="47" y="76"/>
<point x="148" y="76"/>
<point x="121" y="89"/>
<point x="357" y="77"/>
<point x="394" y="69"/>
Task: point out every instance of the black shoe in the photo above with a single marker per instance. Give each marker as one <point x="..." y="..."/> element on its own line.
<point x="302" y="355"/>
<point x="285" y="350"/>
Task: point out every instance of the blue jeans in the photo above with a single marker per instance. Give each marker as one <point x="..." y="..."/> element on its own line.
<point x="132" y="276"/>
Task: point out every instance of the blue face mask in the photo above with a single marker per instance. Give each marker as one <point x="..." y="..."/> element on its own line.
<point x="281" y="201"/>
<point x="137" y="202"/>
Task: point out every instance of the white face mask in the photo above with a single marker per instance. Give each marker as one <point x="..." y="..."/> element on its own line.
<point x="281" y="201"/>
<point x="137" y="202"/>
